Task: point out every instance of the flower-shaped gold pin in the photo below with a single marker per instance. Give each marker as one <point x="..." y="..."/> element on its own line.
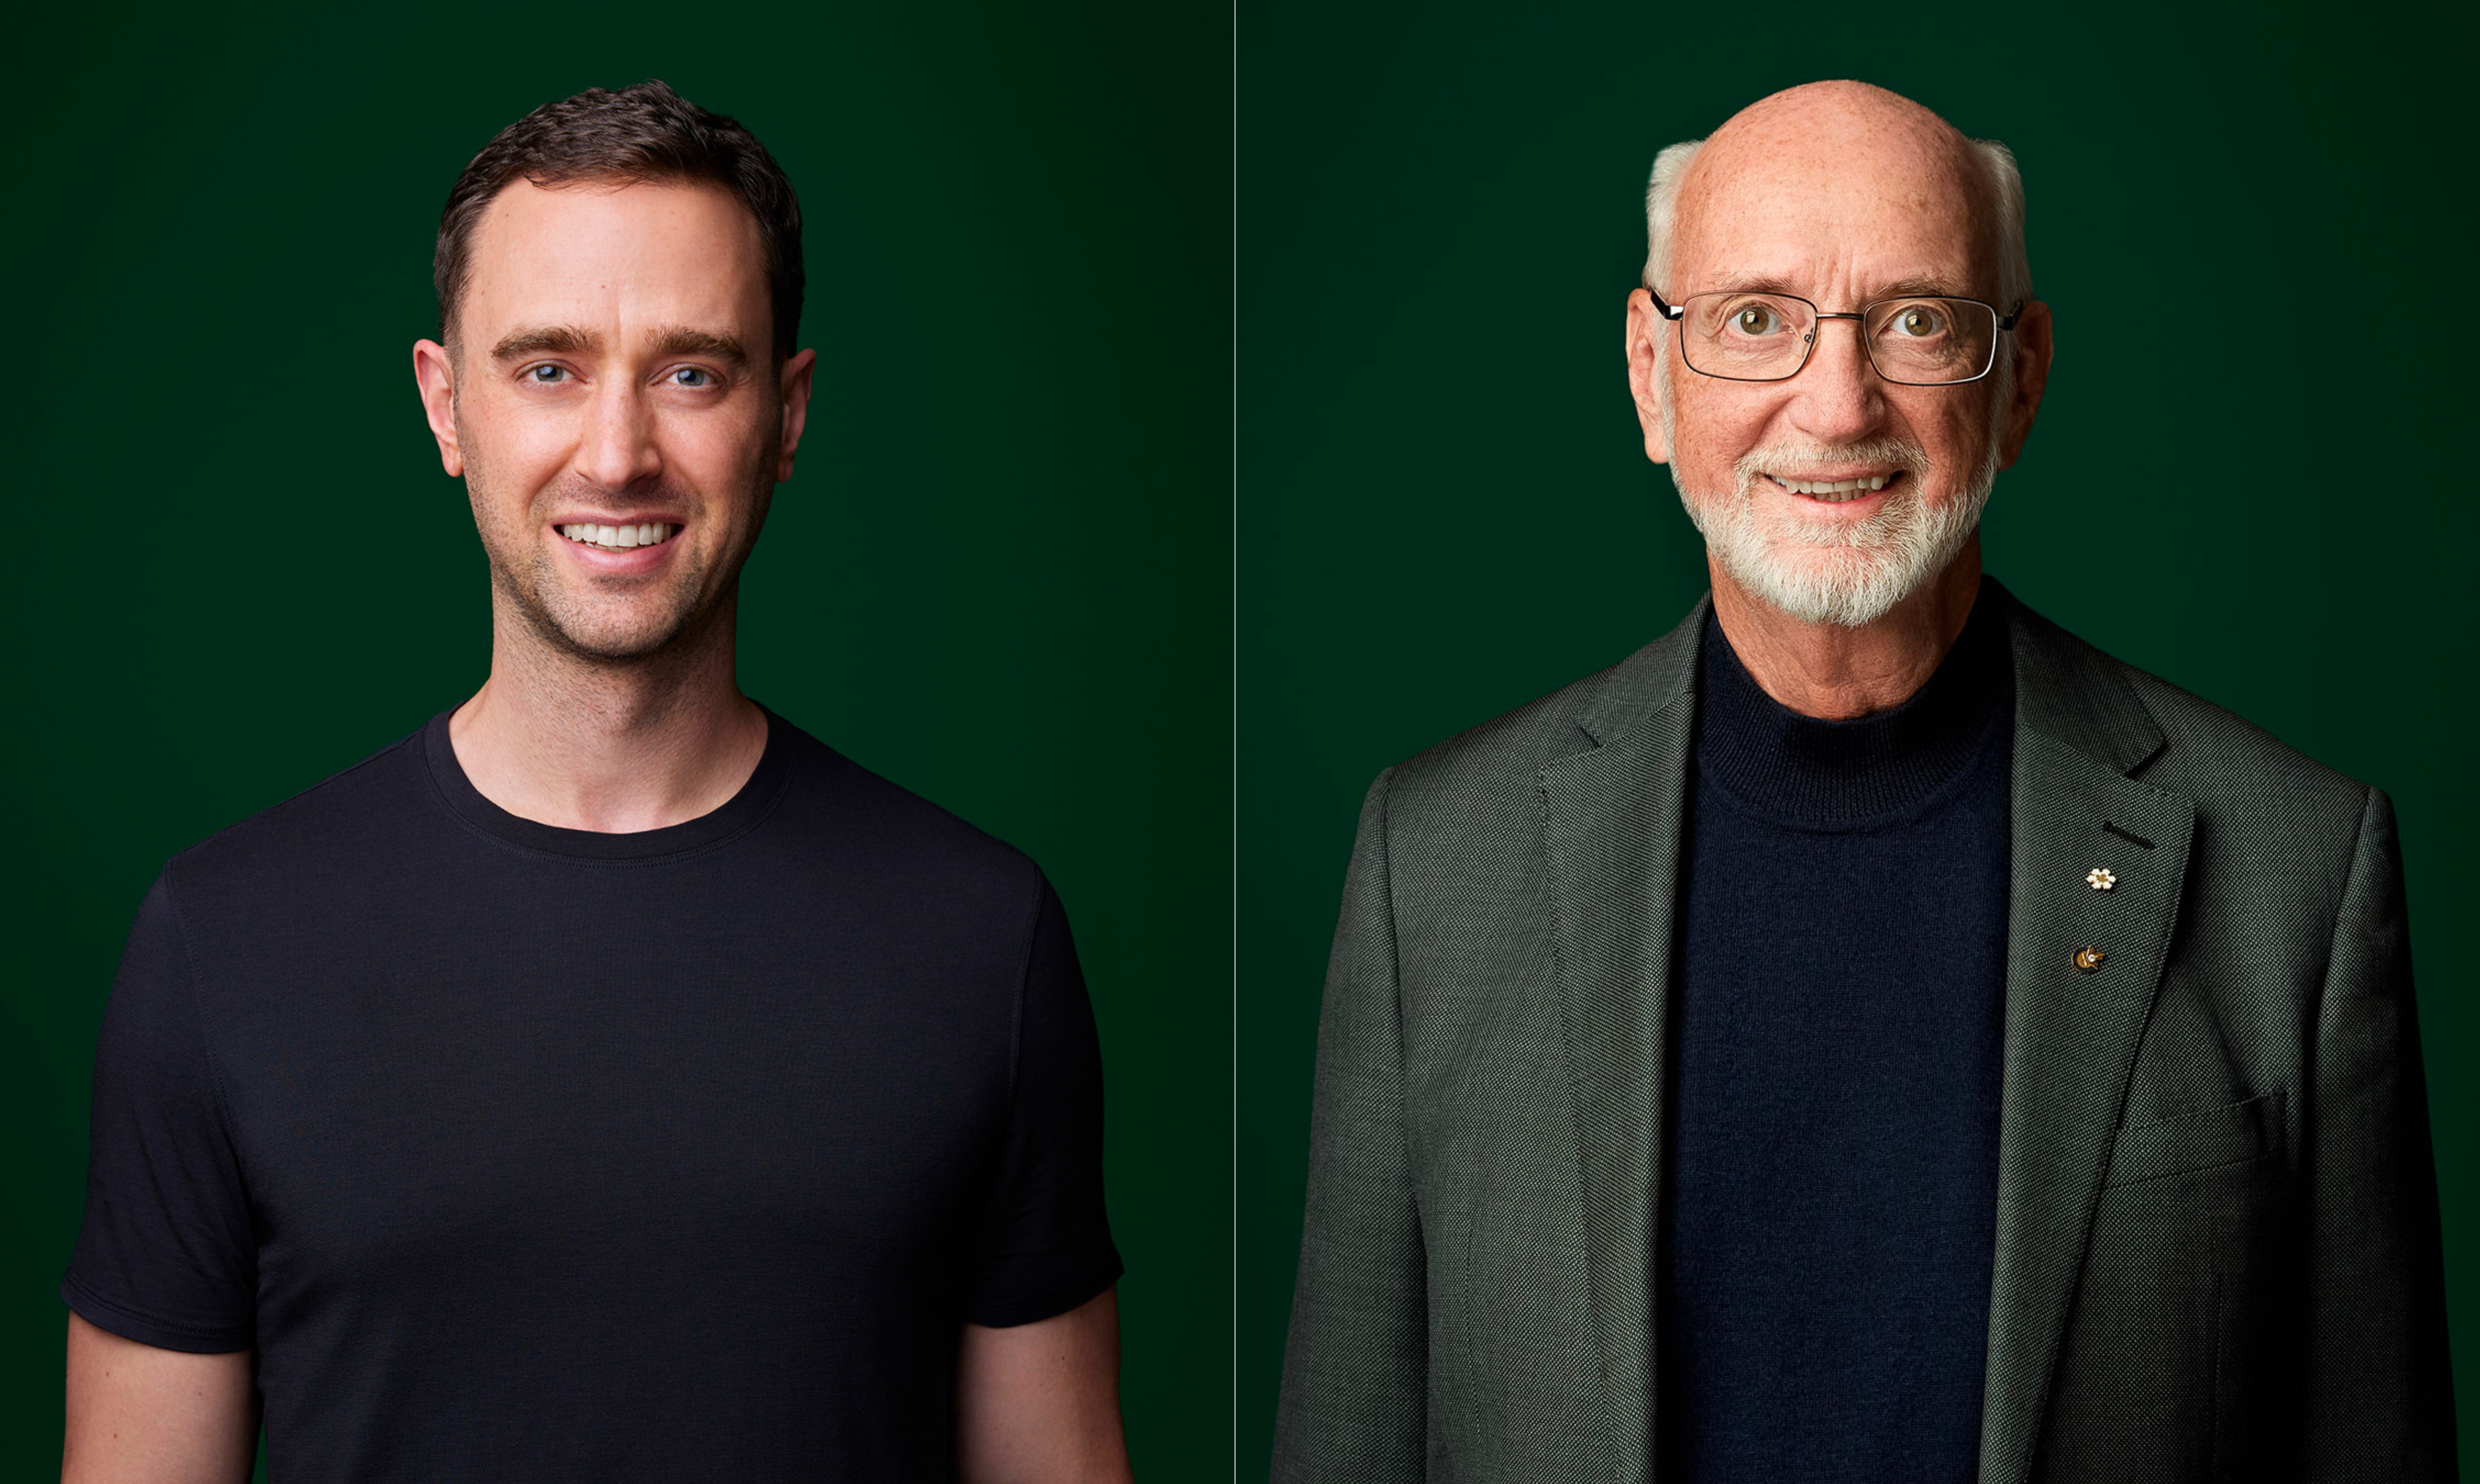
<point x="2090" y="958"/>
<point x="2100" y="878"/>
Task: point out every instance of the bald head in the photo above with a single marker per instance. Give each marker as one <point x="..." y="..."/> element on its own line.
<point x="1830" y="488"/>
<point x="1836" y="163"/>
<point x="1823" y="117"/>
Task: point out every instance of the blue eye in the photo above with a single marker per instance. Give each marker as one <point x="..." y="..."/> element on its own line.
<point x="692" y="376"/>
<point x="544" y="375"/>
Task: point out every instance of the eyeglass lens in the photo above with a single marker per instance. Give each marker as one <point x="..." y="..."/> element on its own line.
<point x="1766" y="337"/>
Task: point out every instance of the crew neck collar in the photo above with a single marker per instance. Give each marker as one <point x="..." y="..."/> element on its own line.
<point x="1807" y="772"/>
<point x="735" y="815"/>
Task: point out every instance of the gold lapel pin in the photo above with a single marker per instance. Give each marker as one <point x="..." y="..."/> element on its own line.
<point x="2088" y="960"/>
<point x="2101" y="879"/>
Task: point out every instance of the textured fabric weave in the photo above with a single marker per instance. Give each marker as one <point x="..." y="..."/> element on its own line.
<point x="1827" y="1222"/>
<point x="2217" y="1249"/>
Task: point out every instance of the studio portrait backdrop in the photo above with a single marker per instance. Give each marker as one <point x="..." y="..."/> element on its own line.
<point x="2244" y="228"/>
<point x="999" y="577"/>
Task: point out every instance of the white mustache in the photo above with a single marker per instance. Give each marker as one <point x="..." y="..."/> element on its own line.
<point x="1909" y="457"/>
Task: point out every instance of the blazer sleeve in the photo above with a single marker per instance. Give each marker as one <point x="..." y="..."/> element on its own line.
<point x="1355" y="1372"/>
<point x="2380" y="1402"/>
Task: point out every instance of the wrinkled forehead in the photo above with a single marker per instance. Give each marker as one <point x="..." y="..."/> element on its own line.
<point x="1842" y="208"/>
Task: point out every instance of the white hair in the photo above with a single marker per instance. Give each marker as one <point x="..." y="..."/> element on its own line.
<point x="1662" y="211"/>
<point x="1998" y="162"/>
<point x="1847" y="573"/>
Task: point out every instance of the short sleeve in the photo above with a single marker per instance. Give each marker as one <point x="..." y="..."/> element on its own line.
<point x="165" y="1255"/>
<point x="1044" y="1243"/>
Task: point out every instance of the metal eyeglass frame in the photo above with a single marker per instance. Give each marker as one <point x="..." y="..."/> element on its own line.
<point x="1677" y="314"/>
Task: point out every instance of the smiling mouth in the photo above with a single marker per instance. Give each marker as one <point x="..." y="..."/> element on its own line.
<point x="620" y="538"/>
<point x="1836" y="491"/>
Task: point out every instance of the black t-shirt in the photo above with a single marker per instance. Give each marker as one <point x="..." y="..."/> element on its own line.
<point x="528" y="1153"/>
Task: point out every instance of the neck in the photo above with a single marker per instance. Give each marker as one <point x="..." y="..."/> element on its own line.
<point x="1835" y="672"/>
<point x="612" y="745"/>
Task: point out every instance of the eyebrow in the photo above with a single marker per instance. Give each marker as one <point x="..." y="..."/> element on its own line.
<point x="663" y="340"/>
<point x="556" y="339"/>
<point x="681" y="339"/>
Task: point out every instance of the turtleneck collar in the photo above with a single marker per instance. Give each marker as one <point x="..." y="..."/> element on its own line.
<point x="1874" y="771"/>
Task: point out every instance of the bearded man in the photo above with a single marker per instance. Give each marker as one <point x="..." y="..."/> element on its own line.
<point x="610" y="1079"/>
<point x="1867" y="1033"/>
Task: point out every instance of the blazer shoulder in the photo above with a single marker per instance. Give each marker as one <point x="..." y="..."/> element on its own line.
<point x="1513" y="745"/>
<point x="1509" y="751"/>
<point x="2237" y="772"/>
<point x="2213" y="749"/>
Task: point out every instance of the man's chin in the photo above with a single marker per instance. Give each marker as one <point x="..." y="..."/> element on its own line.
<point x="1835" y="585"/>
<point x="1854" y="577"/>
<point x="600" y="626"/>
<point x="606" y="637"/>
<point x="620" y="643"/>
<point x="1834" y="571"/>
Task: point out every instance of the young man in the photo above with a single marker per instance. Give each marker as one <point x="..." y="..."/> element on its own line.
<point x="608" y="1079"/>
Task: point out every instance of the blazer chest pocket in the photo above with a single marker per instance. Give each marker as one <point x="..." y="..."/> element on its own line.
<point x="2233" y="1134"/>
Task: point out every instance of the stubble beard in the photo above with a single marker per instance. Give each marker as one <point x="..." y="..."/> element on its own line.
<point x="1841" y="572"/>
<point x="563" y="617"/>
<point x="528" y="582"/>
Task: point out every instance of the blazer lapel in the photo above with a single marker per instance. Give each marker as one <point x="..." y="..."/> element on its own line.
<point x="1611" y="819"/>
<point x="2072" y="1031"/>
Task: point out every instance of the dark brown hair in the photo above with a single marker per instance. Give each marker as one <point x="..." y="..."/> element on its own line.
<point x="647" y="133"/>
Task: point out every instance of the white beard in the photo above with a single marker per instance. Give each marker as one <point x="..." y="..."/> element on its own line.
<point x="1847" y="573"/>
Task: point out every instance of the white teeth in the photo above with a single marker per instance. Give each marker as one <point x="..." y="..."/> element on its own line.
<point x="1833" y="489"/>
<point x="618" y="538"/>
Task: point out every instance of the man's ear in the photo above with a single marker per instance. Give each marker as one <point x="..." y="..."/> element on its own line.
<point x="1648" y="335"/>
<point x="2031" y="349"/>
<point x="793" y="391"/>
<point x="434" y="375"/>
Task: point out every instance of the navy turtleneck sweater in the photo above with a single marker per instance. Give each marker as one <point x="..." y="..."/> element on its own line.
<point x="1830" y="1223"/>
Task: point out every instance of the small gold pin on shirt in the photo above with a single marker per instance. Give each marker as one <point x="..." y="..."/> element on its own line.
<point x="2101" y="879"/>
<point x="2088" y="960"/>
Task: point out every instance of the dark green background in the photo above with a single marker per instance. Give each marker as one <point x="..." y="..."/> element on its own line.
<point x="1001" y="577"/>
<point x="2249" y="476"/>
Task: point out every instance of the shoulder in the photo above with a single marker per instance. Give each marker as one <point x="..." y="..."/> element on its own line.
<point x="2276" y="831"/>
<point x="834" y="804"/>
<point x="1502" y="758"/>
<point x="2199" y="748"/>
<point x="346" y="813"/>
<point x="2210" y="751"/>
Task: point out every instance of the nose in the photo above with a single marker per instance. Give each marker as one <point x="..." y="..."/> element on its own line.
<point x="1838" y="396"/>
<point x="616" y="447"/>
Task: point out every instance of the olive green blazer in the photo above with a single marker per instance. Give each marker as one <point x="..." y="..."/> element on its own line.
<point x="2217" y="1252"/>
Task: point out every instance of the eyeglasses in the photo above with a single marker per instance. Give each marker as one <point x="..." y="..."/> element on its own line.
<point x="1915" y="341"/>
